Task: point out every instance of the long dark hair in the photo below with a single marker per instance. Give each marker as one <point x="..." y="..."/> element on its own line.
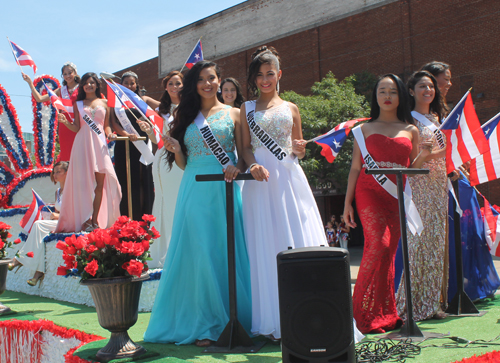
<point x="436" y="68"/>
<point x="261" y="56"/>
<point x="435" y="106"/>
<point x="81" y="93"/>
<point x="238" y="101"/>
<point x="403" y="111"/>
<point x="189" y="106"/>
<point x="77" y="77"/>
<point x="165" y="100"/>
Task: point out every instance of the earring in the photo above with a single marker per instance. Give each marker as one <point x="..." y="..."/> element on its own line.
<point x="278" y="87"/>
<point x="219" y="90"/>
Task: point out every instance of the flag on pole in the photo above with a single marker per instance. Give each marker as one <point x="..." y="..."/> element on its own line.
<point x="57" y="103"/>
<point x="33" y="213"/>
<point x="22" y="57"/>
<point x="132" y="100"/>
<point x="332" y="141"/>
<point x="464" y="135"/>
<point x="195" y="56"/>
<point x="486" y="167"/>
<point x="492" y="228"/>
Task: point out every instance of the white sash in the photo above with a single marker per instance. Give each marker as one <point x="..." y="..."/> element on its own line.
<point x="414" y="222"/>
<point x="212" y="142"/>
<point x="147" y="156"/>
<point x="66" y="101"/>
<point x="91" y="124"/>
<point x="266" y="140"/>
<point x="427" y="123"/>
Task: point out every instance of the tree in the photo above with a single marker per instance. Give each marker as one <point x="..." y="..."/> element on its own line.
<point x="331" y="103"/>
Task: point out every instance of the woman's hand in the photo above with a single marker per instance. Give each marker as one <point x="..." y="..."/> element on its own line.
<point x="111" y="136"/>
<point x="427" y="146"/>
<point x="145" y="126"/>
<point x="132" y="137"/>
<point x="259" y="172"/>
<point x="54" y="216"/>
<point x="299" y="148"/>
<point x="27" y="78"/>
<point x="230" y="173"/>
<point x="171" y="144"/>
<point x="349" y="216"/>
<point x="62" y="119"/>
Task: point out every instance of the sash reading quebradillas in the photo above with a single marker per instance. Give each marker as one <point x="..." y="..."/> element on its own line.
<point x="266" y="140"/>
<point x="427" y="123"/>
<point x="211" y="141"/>
<point x="92" y="125"/>
<point x="147" y="156"/>
<point x="413" y="217"/>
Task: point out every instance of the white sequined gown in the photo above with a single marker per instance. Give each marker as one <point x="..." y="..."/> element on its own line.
<point x="277" y="214"/>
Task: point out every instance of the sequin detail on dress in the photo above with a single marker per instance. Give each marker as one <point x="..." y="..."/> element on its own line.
<point x="278" y="123"/>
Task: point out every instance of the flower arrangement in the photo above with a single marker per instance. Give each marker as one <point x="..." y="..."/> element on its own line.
<point x="4" y="243"/>
<point x="121" y="250"/>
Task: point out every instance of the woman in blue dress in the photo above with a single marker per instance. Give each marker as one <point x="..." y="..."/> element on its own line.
<point x="192" y="302"/>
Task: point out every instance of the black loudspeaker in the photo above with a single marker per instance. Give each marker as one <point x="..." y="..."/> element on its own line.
<point x="315" y="305"/>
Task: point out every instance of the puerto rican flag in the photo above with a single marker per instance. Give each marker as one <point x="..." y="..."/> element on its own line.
<point x="22" y="58"/>
<point x="465" y="137"/>
<point x="116" y="97"/>
<point x="57" y="103"/>
<point x="196" y="55"/>
<point x="332" y="141"/>
<point x="486" y="167"/>
<point x="492" y="228"/>
<point x="34" y="213"/>
<point x="137" y="102"/>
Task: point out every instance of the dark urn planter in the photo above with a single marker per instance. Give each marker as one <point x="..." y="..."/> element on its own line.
<point x="117" y="302"/>
<point x="3" y="284"/>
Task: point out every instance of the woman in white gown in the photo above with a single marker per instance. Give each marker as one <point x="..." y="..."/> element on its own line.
<point x="279" y="209"/>
<point x="40" y="230"/>
<point x="166" y="181"/>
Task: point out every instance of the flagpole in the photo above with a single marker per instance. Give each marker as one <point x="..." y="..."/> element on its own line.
<point x="190" y="54"/>
<point x="14" y="54"/>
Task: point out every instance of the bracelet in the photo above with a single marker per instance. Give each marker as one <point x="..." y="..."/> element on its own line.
<point x="252" y="165"/>
<point x="149" y="133"/>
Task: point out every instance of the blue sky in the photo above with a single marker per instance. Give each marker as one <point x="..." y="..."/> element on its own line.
<point x="95" y="35"/>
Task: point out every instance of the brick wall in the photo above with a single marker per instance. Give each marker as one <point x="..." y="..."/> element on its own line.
<point x="398" y="37"/>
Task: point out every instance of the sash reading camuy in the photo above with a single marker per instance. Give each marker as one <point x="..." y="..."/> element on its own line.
<point x="211" y="141"/>
<point x="266" y="140"/>
<point x="414" y="222"/>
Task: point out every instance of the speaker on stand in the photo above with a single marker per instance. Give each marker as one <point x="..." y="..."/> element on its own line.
<point x="315" y="304"/>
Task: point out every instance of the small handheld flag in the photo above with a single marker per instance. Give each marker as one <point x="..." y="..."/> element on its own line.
<point x="33" y="213"/>
<point x="492" y="228"/>
<point x="486" y="167"/>
<point x="57" y="103"/>
<point x="195" y="56"/>
<point x="464" y="135"/>
<point x="332" y="141"/>
<point x="21" y="56"/>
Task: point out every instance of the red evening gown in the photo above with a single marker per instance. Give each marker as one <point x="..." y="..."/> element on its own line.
<point x="374" y="304"/>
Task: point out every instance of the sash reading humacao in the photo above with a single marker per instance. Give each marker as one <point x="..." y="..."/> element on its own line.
<point x="212" y="142"/>
<point x="92" y="125"/>
<point x="427" y="123"/>
<point x="414" y="222"/>
<point x="261" y="134"/>
<point x="147" y="155"/>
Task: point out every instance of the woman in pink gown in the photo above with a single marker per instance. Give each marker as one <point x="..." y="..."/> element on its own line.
<point x="93" y="194"/>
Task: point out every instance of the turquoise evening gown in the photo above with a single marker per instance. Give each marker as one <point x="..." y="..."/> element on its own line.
<point x="192" y="301"/>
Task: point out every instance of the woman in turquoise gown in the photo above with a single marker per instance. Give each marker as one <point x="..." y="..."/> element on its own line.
<point x="192" y="302"/>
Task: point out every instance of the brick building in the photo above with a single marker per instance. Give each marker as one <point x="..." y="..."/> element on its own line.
<point x="346" y="37"/>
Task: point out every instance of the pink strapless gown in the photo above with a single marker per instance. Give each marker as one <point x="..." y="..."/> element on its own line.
<point x="89" y="155"/>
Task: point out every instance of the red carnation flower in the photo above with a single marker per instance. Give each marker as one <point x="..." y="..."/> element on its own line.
<point x="30" y="254"/>
<point x="80" y="242"/>
<point x="156" y="234"/>
<point x="92" y="268"/>
<point x="131" y="248"/>
<point x="9" y="235"/>
<point x="4" y="226"/>
<point x="145" y="245"/>
<point x="17" y="241"/>
<point x="133" y="267"/>
<point x="62" y="271"/>
<point x="148" y="218"/>
<point x="61" y="245"/>
<point x="2" y="244"/>
<point x="90" y="248"/>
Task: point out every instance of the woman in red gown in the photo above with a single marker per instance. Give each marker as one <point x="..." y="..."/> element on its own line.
<point x="393" y="141"/>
